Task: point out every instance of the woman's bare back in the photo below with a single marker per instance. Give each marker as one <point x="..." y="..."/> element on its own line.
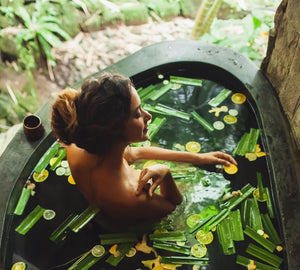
<point x="114" y="190"/>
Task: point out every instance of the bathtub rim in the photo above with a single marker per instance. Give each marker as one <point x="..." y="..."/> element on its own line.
<point x="216" y="57"/>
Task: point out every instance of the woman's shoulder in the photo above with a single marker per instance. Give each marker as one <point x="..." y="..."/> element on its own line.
<point x="79" y="158"/>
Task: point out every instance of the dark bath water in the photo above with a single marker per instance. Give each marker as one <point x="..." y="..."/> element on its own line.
<point x="38" y="252"/>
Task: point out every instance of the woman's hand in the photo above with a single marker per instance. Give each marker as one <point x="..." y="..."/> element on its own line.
<point x="151" y="177"/>
<point x="217" y="158"/>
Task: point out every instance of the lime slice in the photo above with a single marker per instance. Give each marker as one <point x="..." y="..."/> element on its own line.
<point x="229" y="119"/>
<point x="131" y="252"/>
<point x="60" y="171"/>
<point x="193" y="219"/>
<point x="40" y="177"/>
<point x="71" y="180"/>
<point x="233" y="112"/>
<point x="231" y="169"/>
<point x="98" y="251"/>
<point x="238" y="98"/>
<point x="193" y="147"/>
<point x="18" y="266"/>
<point x="67" y="172"/>
<point x="204" y="238"/>
<point x="65" y="164"/>
<point x="219" y="125"/>
<point x="49" y="214"/>
<point x="198" y="250"/>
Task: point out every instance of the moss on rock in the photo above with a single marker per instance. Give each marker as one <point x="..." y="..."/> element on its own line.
<point x="135" y="13"/>
<point x="163" y="8"/>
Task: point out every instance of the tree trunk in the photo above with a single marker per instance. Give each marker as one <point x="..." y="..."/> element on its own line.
<point x="282" y="62"/>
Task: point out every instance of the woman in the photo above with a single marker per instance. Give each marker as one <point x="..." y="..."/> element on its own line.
<point x="96" y="126"/>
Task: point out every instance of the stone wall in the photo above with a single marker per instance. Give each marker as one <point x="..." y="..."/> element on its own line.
<point x="282" y="62"/>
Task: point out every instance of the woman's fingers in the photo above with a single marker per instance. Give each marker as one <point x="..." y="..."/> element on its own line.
<point x="143" y="179"/>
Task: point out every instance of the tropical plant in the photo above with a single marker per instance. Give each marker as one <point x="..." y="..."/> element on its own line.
<point x="245" y="36"/>
<point x="205" y="16"/>
<point x="42" y="31"/>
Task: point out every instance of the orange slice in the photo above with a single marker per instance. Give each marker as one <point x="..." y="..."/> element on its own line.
<point x="231" y="169"/>
<point x="71" y="180"/>
<point x="40" y="177"/>
<point x="193" y="219"/>
<point x="204" y="238"/>
<point x="229" y="119"/>
<point x="199" y="250"/>
<point x="238" y="98"/>
<point x="193" y="147"/>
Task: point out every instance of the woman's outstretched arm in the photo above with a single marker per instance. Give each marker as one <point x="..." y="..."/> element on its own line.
<point x="134" y="153"/>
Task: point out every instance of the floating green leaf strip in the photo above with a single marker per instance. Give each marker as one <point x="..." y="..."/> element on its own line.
<point x="117" y="238"/>
<point x="264" y="255"/>
<point x="202" y="121"/>
<point x="172" y="247"/>
<point x="45" y="159"/>
<point x="25" y="195"/>
<point x="184" y="260"/>
<point x="241" y="260"/>
<point x="183" y="80"/>
<point x="30" y="220"/>
<point x="260" y="239"/>
<point x="219" y="98"/>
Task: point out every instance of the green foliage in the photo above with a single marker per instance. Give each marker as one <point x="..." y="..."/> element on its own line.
<point x="247" y="39"/>
<point x="135" y="14"/>
<point x="39" y="35"/>
<point x="165" y="9"/>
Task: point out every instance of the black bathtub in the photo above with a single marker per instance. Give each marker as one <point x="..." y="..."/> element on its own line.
<point x="187" y="59"/>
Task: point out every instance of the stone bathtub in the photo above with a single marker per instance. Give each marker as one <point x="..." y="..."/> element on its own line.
<point x="190" y="59"/>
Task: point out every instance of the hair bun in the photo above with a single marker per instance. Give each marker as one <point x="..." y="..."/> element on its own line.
<point x="64" y="116"/>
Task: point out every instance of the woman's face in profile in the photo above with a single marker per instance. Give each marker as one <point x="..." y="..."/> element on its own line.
<point x="136" y="129"/>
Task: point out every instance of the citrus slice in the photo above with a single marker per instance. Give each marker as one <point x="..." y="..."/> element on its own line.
<point x="52" y="161"/>
<point x="204" y="237"/>
<point x="18" y="266"/>
<point x="229" y="119"/>
<point x="238" y="98"/>
<point x="64" y="163"/>
<point x="40" y="177"/>
<point x="233" y="112"/>
<point x="193" y="219"/>
<point x="193" y="147"/>
<point x="131" y="252"/>
<point x="60" y="171"/>
<point x="231" y="169"/>
<point x="71" y="180"/>
<point x="218" y="125"/>
<point x="149" y="163"/>
<point x="98" y="251"/>
<point x="198" y="250"/>
<point x="251" y="156"/>
<point x="67" y="172"/>
<point x="160" y="230"/>
<point x="256" y="195"/>
<point x="49" y="214"/>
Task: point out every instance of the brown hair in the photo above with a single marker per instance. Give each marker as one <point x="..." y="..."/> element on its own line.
<point x="93" y="118"/>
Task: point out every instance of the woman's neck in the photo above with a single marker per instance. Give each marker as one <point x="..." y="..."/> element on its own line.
<point x="115" y="159"/>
